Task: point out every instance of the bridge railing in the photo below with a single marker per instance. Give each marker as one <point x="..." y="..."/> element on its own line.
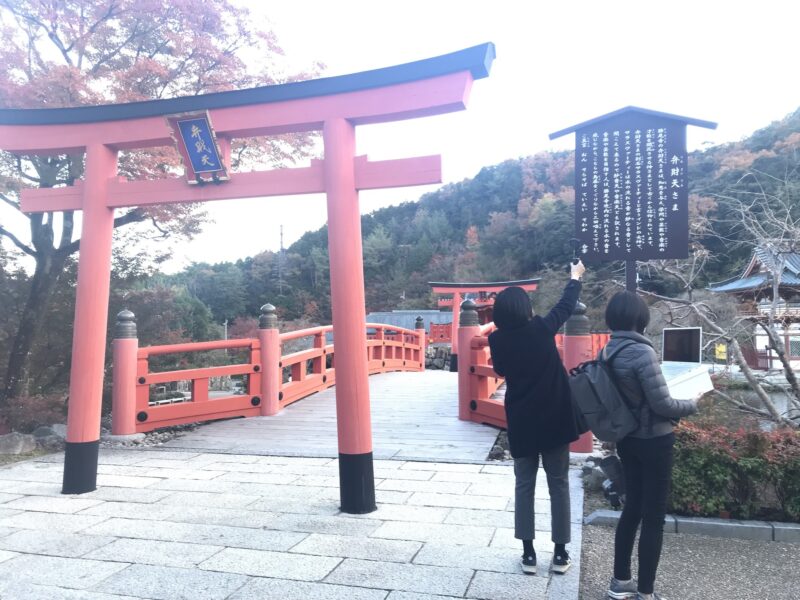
<point x="272" y="379"/>
<point x="478" y="382"/>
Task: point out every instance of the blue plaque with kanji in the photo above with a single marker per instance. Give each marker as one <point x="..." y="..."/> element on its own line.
<point x="197" y="146"/>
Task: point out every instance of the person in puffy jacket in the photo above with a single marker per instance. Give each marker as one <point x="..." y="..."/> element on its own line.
<point x="539" y="411"/>
<point x="646" y="453"/>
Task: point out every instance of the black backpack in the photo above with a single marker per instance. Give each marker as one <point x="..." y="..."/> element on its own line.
<point x="599" y="401"/>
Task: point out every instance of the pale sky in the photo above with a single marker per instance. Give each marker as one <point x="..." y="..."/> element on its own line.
<point x="559" y="62"/>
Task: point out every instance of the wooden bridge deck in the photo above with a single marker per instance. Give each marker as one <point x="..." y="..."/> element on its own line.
<point x="414" y="417"/>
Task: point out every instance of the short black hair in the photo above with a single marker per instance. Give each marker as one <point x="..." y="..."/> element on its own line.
<point x="626" y="311"/>
<point x="512" y="308"/>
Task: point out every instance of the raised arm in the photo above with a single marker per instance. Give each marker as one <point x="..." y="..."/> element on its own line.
<point x="569" y="298"/>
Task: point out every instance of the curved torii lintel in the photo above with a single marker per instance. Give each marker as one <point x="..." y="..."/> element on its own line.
<point x="421" y="88"/>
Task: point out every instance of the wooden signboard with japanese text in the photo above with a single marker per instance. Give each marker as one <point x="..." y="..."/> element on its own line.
<point x="631" y="192"/>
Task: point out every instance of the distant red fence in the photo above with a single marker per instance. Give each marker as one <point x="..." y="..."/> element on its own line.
<point x="441" y="333"/>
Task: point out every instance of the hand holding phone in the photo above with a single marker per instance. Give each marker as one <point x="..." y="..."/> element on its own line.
<point x="576" y="269"/>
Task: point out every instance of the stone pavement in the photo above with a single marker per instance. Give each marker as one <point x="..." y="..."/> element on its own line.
<point x="177" y="523"/>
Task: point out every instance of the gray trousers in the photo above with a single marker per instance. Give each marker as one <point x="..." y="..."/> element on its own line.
<point x="556" y="467"/>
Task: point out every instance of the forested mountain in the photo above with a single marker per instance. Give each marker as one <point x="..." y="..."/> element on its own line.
<point x="512" y="220"/>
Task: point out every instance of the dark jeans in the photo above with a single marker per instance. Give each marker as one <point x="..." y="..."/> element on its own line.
<point x="647" y="464"/>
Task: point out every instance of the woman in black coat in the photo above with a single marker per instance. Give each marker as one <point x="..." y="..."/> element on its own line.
<point x="539" y="409"/>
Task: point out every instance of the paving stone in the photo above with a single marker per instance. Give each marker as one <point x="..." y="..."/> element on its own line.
<point x="53" y="543"/>
<point x="324" y="524"/>
<point x="392" y="497"/>
<point x="28" y="591"/>
<point x="506" y="481"/>
<point x="66" y="505"/>
<point x="184" y="514"/>
<point x="331" y="481"/>
<point x="51" y="521"/>
<point x="210" y="499"/>
<point x="75" y="573"/>
<point x="216" y="535"/>
<point x="5" y="497"/>
<point x="275" y="478"/>
<point x="440" y="487"/>
<point x="457" y="501"/>
<point x="435" y="532"/>
<point x="358" y="547"/>
<point x="400" y="512"/>
<point x="503" y="560"/>
<point x="199" y="473"/>
<point x="6" y="555"/>
<point x="8" y="512"/>
<point x="499" y="469"/>
<point x="118" y="494"/>
<point x="131" y="456"/>
<point x="394" y="576"/>
<point x="152" y="552"/>
<point x="296" y="460"/>
<point x="503" y="586"/>
<point x="484" y="517"/>
<point x="309" y="506"/>
<point x="125" y="481"/>
<point x="36" y="488"/>
<point x="504" y="538"/>
<point x="170" y="583"/>
<point x="405" y="474"/>
<point x="397" y="595"/>
<point x="4" y="531"/>
<point x="264" y="563"/>
<point x="439" y="466"/>
<point x="496" y="489"/>
<point x="261" y="589"/>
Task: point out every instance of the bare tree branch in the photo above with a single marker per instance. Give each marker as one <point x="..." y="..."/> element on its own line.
<point x="26" y="249"/>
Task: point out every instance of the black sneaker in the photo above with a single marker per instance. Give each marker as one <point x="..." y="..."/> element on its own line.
<point x="655" y="596"/>
<point x="561" y="562"/>
<point x="529" y="564"/>
<point x="621" y="590"/>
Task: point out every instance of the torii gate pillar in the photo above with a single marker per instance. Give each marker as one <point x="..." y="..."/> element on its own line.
<point x="356" y="480"/>
<point x="91" y="316"/>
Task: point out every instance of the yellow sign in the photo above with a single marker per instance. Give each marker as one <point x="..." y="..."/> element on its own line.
<point x="721" y="351"/>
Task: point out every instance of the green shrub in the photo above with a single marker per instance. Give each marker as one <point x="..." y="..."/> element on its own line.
<point x="743" y="473"/>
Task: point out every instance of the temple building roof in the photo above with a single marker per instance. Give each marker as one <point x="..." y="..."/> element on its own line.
<point x="757" y="276"/>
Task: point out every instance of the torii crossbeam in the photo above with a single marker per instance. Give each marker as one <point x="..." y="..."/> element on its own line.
<point x="335" y="106"/>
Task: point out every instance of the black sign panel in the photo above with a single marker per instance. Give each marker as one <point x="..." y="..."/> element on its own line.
<point x="631" y="194"/>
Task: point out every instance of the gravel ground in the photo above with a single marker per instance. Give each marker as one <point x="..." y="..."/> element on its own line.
<point x="695" y="567"/>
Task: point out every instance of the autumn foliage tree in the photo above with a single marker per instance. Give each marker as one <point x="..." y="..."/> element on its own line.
<point x="84" y="52"/>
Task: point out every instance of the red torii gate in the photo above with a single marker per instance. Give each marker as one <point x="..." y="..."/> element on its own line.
<point x="459" y="290"/>
<point x="334" y="105"/>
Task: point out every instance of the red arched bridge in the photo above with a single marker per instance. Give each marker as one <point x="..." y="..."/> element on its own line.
<point x="275" y="374"/>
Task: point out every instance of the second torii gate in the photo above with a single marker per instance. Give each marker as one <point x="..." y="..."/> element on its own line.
<point x="485" y="293"/>
<point x="333" y="105"/>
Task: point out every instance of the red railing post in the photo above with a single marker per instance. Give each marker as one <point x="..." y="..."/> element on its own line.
<point x="271" y="379"/>
<point x="422" y="338"/>
<point x="123" y="395"/>
<point x="578" y="349"/>
<point x="468" y="328"/>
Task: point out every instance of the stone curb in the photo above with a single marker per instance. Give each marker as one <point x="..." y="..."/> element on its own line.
<point x="723" y="528"/>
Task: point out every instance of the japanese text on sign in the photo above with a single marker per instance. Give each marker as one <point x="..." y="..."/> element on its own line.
<point x="631" y="199"/>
